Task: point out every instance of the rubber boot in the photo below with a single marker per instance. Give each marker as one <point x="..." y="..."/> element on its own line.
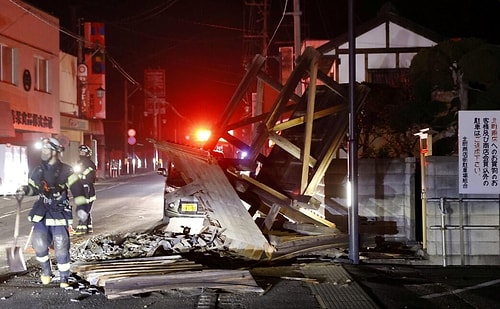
<point x="81" y="229"/>
<point x="90" y="229"/>
<point x="64" y="275"/>
<point x="46" y="276"/>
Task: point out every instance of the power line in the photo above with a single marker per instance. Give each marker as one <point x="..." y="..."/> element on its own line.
<point x="278" y="26"/>
<point x="147" y="14"/>
<point x="55" y="26"/>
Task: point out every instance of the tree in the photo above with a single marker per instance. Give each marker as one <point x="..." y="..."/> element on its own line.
<point x="458" y="74"/>
<point x="383" y="123"/>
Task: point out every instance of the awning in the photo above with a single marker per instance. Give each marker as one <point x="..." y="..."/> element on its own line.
<point x="96" y="127"/>
<point x="6" y="126"/>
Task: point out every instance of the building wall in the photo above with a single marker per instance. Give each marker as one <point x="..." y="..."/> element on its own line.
<point x="389" y="37"/>
<point x="389" y="205"/>
<point x="67" y="90"/>
<point x="386" y="195"/>
<point x="472" y="235"/>
<point x="32" y="33"/>
<point x="72" y="127"/>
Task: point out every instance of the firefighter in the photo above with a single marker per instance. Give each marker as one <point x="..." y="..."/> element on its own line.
<point x="86" y="170"/>
<point x="51" y="213"/>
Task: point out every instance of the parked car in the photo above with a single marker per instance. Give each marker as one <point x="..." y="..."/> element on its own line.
<point x="184" y="206"/>
<point x="182" y="213"/>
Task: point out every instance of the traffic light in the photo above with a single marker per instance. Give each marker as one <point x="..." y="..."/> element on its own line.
<point x="131" y="137"/>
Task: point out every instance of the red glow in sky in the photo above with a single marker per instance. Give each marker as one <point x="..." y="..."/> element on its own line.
<point x="199" y="43"/>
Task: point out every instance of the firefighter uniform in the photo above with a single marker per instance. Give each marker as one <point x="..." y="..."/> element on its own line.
<point x="51" y="213"/>
<point x="87" y="173"/>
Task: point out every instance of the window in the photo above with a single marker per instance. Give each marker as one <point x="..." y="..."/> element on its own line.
<point x="41" y="74"/>
<point x="8" y="57"/>
<point x="397" y="78"/>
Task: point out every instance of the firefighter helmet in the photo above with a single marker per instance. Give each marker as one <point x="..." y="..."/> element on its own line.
<point x="52" y="143"/>
<point x="85" y="150"/>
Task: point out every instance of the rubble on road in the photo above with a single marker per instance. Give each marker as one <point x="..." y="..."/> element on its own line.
<point x="133" y="263"/>
<point x="135" y="244"/>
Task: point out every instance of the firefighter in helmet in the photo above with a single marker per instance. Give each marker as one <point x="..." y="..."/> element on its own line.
<point x="51" y="213"/>
<point x="86" y="170"/>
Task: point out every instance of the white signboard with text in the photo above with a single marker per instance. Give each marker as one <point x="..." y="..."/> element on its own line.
<point x="478" y="152"/>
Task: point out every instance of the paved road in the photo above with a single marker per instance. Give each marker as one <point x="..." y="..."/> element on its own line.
<point x="328" y="285"/>
<point x="405" y="286"/>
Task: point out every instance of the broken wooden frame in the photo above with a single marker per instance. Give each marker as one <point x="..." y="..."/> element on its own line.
<point x="306" y="130"/>
<point x="303" y="116"/>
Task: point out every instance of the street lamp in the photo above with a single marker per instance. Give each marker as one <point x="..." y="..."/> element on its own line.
<point x="100" y="92"/>
<point x="425" y="150"/>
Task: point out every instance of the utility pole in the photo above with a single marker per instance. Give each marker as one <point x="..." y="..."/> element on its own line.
<point x="80" y="63"/>
<point x="297" y="40"/>
<point x="296" y="29"/>
<point x="125" y="116"/>
<point x="353" y="146"/>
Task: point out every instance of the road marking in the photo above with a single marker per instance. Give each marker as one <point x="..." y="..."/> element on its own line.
<point x="13" y="213"/>
<point x="477" y="286"/>
<point x="110" y="187"/>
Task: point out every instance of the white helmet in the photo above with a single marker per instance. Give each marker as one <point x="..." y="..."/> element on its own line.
<point x="52" y="143"/>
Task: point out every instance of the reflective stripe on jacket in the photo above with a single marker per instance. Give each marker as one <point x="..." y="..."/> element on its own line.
<point x="52" y="183"/>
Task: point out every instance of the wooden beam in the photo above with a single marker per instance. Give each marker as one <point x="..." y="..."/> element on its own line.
<point x="311" y="98"/>
<point x="289" y="207"/>
<point x="230" y="280"/>
<point x="289" y="147"/>
<point x="300" y="120"/>
<point x="271" y="216"/>
<point x="255" y="67"/>
<point x="281" y="102"/>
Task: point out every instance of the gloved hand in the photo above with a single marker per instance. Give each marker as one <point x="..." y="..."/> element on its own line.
<point x="21" y="191"/>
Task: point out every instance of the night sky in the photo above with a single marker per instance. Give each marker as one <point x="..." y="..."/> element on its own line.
<point x="199" y="42"/>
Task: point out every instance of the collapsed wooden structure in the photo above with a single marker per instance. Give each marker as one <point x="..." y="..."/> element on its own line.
<point x="136" y="263"/>
<point x="249" y="203"/>
<point x="279" y="184"/>
<point x="126" y="277"/>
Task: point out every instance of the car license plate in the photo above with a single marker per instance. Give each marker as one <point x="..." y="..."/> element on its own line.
<point x="189" y="207"/>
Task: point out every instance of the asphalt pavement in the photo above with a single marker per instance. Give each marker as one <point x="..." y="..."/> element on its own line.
<point x="317" y="284"/>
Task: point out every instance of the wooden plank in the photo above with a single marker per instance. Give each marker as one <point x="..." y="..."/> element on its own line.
<point x="97" y="272"/>
<point x="159" y="260"/>
<point x="230" y="280"/>
<point x="100" y="279"/>
<point x="271" y="216"/>
<point x="302" y="245"/>
<point x="135" y="268"/>
<point x="288" y="207"/>
<point x="289" y="147"/>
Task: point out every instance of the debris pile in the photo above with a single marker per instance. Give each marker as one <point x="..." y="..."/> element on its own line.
<point x="133" y="263"/>
<point x="135" y="245"/>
